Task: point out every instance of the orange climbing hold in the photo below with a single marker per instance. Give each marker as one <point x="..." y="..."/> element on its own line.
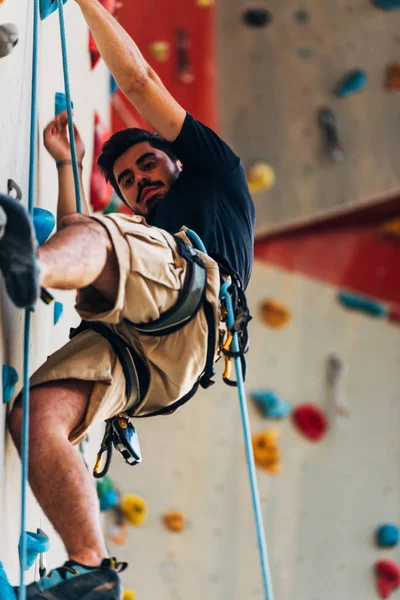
<point x="393" y="77"/>
<point x="275" y="314"/>
<point x="266" y="452"/>
<point x="391" y="228"/>
<point x="174" y="520"/>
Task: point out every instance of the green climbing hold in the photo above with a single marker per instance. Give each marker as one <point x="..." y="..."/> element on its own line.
<point x="47" y="7"/>
<point x="103" y="486"/>
<point x="9" y="379"/>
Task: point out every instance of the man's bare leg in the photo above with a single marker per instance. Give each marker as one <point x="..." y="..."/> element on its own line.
<point x="57" y="474"/>
<point x="79" y="254"/>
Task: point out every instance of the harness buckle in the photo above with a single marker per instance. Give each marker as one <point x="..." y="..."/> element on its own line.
<point x="121" y="434"/>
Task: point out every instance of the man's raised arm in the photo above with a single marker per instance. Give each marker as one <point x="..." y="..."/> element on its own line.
<point x="134" y="76"/>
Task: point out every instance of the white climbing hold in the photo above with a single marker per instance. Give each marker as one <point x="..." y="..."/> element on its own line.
<point x="8" y="38"/>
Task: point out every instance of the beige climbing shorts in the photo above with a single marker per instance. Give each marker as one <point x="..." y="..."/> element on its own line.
<point x="151" y="277"/>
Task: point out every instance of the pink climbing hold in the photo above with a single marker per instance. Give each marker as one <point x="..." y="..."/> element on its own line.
<point x="388" y="577"/>
<point x="310" y="421"/>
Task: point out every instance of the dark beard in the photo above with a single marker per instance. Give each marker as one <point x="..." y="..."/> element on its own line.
<point x="151" y="209"/>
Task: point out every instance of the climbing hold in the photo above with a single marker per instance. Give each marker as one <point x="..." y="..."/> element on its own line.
<point x="257" y="17"/>
<point x="113" y="85"/>
<point x="160" y="50"/>
<point x="6" y="590"/>
<point x="14" y="187"/>
<point x="58" y="311"/>
<point x="113" y="206"/>
<point x="393" y="77"/>
<point x="60" y="103"/>
<point x="44" y="222"/>
<point x="8" y="38"/>
<point x="36" y="544"/>
<point x="119" y="532"/>
<point x="391" y="229"/>
<point x="362" y="304"/>
<point x="271" y="405"/>
<point x="353" y="82"/>
<point x="260" y="177"/>
<point x="329" y="125"/>
<point x="266" y="452"/>
<point x="109" y="500"/>
<point x="134" y="509"/>
<point x="184" y="62"/>
<point x="387" y="536"/>
<point x="205" y="3"/>
<point x="103" y="486"/>
<point x="310" y="421"/>
<point x="388" y="577"/>
<point x="9" y="381"/>
<point x="129" y="595"/>
<point x="47" y="7"/>
<point x="174" y="520"/>
<point x="302" y="17"/>
<point x="275" y="313"/>
<point x="387" y="4"/>
<point x="101" y="191"/>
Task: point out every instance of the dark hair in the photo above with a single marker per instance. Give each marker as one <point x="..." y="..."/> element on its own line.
<point x="120" y="142"/>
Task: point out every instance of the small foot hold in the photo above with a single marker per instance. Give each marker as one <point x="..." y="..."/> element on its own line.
<point x="329" y="124"/>
<point x="363" y="304"/>
<point x="352" y="82"/>
<point x="387" y="4"/>
<point x="47" y="7"/>
<point x="18" y="262"/>
<point x="8" y="38"/>
<point x="9" y="380"/>
<point x="58" y="311"/>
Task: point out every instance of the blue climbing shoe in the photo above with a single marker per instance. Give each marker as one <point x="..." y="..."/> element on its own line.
<point x="74" y="581"/>
<point x="18" y="262"/>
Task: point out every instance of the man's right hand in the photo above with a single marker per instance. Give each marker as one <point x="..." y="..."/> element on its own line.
<point x="56" y="141"/>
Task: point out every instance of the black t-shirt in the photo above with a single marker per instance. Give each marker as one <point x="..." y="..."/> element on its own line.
<point x="211" y="196"/>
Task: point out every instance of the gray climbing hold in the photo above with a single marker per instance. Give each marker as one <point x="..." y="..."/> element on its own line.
<point x="8" y="38"/>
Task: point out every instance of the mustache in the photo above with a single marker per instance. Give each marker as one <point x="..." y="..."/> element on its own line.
<point x="143" y="185"/>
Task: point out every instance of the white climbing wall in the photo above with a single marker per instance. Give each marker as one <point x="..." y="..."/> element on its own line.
<point x="321" y="511"/>
<point x="90" y="92"/>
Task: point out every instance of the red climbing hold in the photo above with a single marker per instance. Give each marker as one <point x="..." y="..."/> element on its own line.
<point x="388" y="574"/>
<point x="109" y="5"/>
<point x="101" y="192"/>
<point x="311" y="421"/>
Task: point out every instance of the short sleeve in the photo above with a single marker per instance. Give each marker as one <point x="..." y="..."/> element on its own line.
<point x="202" y="150"/>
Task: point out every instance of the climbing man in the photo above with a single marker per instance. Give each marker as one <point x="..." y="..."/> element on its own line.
<point x="152" y="324"/>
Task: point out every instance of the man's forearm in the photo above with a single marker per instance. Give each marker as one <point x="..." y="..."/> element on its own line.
<point x="66" y="193"/>
<point x="120" y="53"/>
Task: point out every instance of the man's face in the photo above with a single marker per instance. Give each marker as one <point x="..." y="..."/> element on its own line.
<point x="144" y="175"/>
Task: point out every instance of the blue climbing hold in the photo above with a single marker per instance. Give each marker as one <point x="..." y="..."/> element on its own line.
<point x="35" y="544"/>
<point x="47" y="7"/>
<point x="113" y="85"/>
<point x="60" y="103"/>
<point x="58" y="311"/>
<point x="387" y="536"/>
<point x="388" y="4"/>
<point x="9" y="380"/>
<point x="109" y="500"/>
<point x="362" y="304"/>
<point x="44" y="223"/>
<point x="6" y="590"/>
<point x="353" y="82"/>
<point x="271" y="405"/>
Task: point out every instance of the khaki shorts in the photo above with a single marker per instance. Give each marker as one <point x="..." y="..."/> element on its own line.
<point x="151" y="277"/>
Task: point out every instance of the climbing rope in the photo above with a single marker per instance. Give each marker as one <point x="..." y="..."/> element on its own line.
<point x="31" y="201"/>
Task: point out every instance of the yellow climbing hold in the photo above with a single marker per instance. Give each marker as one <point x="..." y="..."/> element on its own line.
<point x="391" y="228"/>
<point x="266" y="452"/>
<point x="174" y="520"/>
<point x="260" y="177"/>
<point x="129" y="595"/>
<point x="205" y="3"/>
<point x="160" y="50"/>
<point x="275" y="313"/>
<point x="134" y="509"/>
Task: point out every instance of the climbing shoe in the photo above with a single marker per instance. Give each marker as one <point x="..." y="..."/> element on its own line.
<point x="74" y="581"/>
<point x="18" y="262"/>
